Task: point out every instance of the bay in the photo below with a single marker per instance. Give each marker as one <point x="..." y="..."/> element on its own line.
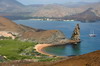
<point x="88" y="44"/>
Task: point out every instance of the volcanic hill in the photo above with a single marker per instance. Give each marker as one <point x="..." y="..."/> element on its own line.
<point x="26" y="33"/>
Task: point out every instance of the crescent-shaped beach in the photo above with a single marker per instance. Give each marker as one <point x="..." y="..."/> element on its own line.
<point x="39" y="47"/>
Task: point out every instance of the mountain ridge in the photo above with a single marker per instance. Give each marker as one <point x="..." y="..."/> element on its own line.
<point x="11" y="4"/>
<point x="86" y="16"/>
<point x="18" y="10"/>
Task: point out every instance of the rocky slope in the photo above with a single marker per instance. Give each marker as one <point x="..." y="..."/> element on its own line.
<point x="48" y="36"/>
<point x="14" y="9"/>
<point x="90" y="59"/>
<point x="8" y="25"/>
<point x="26" y="33"/>
<point x="9" y="5"/>
<point x="86" y="16"/>
<point x="56" y="10"/>
<point x="95" y="8"/>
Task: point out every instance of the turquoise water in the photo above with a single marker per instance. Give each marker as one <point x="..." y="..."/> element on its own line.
<point x="88" y="44"/>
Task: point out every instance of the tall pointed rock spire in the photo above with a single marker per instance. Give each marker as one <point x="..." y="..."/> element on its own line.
<point x="76" y="33"/>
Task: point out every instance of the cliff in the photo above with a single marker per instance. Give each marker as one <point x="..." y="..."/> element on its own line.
<point x="76" y="34"/>
<point x="26" y="33"/>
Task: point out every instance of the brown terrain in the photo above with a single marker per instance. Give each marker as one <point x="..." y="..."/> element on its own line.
<point x="90" y="59"/>
<point x="26" y="33"/>
<point x="45" y="36"/>
<point x="74" y="40"/>
<point x="56" y="10"/>
<point x="8" y="25"/>
<point x="16" y="10"/>
<point x="86" y="16"/>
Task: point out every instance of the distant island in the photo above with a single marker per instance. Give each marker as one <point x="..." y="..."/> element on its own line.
<point x="14" y="10"/>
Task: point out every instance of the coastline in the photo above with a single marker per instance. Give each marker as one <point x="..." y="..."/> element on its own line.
<point x="39" y="47"/>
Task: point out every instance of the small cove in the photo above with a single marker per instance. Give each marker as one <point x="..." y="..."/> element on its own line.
<point x="88" y="44"/>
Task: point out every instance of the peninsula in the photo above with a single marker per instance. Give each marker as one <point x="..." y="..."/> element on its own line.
<point x="9" y="28"/>
<point x="44" y="38"/>
<point x="25" y="33"/>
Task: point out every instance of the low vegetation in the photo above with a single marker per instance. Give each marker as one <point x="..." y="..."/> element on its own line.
<point x="19" y="50"/>
<point x="12" y="49"/>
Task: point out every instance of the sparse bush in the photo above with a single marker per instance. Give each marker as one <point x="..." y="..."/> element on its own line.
<point x="12" y="49"/>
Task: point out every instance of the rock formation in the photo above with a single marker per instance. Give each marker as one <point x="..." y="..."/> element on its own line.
<point x="26" y="33"/>
<point x="76" y="33"/>
<point x="47" y="36"/>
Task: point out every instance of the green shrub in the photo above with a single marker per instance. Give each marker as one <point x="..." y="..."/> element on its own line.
<point x="12" y="48"/>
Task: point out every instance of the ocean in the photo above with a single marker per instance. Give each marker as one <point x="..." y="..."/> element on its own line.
<point x="88" y="44"/>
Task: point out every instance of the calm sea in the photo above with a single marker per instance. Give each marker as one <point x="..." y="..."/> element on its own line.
<point x="88" y="44"/>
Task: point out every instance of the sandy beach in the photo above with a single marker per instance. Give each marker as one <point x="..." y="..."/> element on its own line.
<point x="39" y="48"/>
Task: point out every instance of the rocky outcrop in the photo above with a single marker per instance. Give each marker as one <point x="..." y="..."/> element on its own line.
<point x="76" y="33"/>
<point x="26" y="33"/>
<point x="6" y="34"/>
<point x="47" y="36"/>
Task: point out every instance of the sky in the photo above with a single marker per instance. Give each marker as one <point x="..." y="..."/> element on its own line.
<point x="28" y="2"/>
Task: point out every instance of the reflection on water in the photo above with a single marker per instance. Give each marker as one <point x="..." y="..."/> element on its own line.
<point x="65" y="50"/>
<point x="76" y="49"/>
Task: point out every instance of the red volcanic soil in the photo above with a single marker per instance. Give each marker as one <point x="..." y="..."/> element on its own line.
<point x="90" y="59"/>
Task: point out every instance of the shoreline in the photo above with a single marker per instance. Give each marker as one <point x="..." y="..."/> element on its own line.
<point x="39" y="47"/>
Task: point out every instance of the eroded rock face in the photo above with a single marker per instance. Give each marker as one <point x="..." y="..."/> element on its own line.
<point x="76" y="33"/>
<point x="44" y="36"/>
<point x="26" y="33"/>
<point x="47" y="36"/>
